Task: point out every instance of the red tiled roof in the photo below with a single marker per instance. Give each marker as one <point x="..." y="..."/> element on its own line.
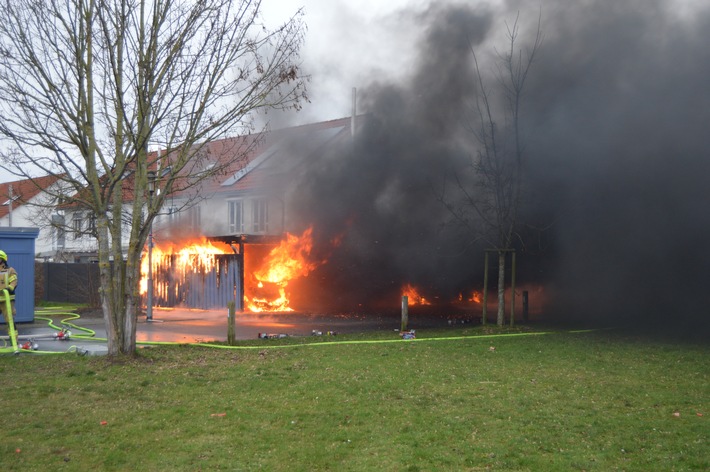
<point x="22" y="192"/>
<point x="240" y="157"/>
<point x="269" y="155"/>
<point x="283" y="154"/>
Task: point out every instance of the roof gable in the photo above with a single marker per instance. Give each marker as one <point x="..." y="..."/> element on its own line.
<point x="20" y="192"/>
<point x="285" y="152"/>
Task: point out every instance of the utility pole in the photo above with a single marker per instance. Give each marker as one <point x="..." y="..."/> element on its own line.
<point x="9" y="203"/>
<point x="149" y="302"/>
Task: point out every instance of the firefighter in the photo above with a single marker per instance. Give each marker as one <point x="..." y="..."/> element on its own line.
<point x="8" y="281"/>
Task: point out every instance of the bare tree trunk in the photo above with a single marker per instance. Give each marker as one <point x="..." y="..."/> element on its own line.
<point x="109" y="322"/>
<point x="484" y="316"/>
<point x="501" y="288"/>
<point x="131" y="299"/>
<point x="129" y="326"/>
<point x="108" y="287"/>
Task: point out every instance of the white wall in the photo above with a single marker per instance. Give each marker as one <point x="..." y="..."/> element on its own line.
<point x="35" y="214"/>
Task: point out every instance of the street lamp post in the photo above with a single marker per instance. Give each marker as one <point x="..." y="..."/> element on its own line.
<point x="149" y="302"/>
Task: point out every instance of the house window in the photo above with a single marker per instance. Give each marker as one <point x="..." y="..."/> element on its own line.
<point x="260" y="215"/>
<point x="59" y="229"/>
<point x="77" y="223"/>
<point x="194" y="217"/>
<point x="91" y="225"/>
<point x="236" y="218"/>
<point x="173" y="214"/>
<point x="61" y="237"/>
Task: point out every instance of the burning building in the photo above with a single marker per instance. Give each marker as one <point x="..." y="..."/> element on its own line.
<point x="615" y="179"/>
<point x="280" y="233"/>
<point x="233" y="239"/>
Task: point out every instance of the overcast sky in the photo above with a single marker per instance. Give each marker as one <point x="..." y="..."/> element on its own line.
<point x="349" y="44"/>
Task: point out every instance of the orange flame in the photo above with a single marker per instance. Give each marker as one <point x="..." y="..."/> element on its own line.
<point x="287" y="261"/>
<point x="415" y="298"/>
<point x="265" y="287"/>
<point x="192" y="256"/>
<point x="475" y="297"/>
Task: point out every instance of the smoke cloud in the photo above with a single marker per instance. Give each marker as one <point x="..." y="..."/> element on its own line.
<point x="617" y="122"/>
<point x="615" y="118"/>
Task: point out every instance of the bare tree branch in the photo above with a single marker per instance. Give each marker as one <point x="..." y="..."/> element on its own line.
<point x="86" y="87"/>
<point x="489" y="203"/>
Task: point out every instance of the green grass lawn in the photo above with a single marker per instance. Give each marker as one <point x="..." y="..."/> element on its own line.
<point x="594" y="401"/>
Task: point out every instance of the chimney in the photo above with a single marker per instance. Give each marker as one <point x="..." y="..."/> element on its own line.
<point x="354" y="113"/>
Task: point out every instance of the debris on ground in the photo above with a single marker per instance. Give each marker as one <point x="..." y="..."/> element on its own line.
<point x="411" y="334"/>
<point x="272" y="336"/>
<point x="316" y="332"/>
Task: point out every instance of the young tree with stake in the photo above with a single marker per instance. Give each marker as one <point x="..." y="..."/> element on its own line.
<point x="489" y="203"/>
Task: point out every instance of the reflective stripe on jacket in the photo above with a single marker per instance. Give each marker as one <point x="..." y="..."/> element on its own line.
<point x="8" y="279"/>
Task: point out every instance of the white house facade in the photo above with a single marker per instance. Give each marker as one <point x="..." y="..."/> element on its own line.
<point x="30" y="203"/>
<point x="251" y="200"/>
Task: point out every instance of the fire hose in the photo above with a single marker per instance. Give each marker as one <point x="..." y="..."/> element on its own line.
<point x="64" y="333"/>
<point x="7" y="298"/>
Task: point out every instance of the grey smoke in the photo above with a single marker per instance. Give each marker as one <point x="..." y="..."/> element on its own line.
<point x="619" y="114"/>
<point x="617" y="118"/>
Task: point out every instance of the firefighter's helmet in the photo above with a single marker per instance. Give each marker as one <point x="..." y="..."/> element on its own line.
<point x="3" y="256"/>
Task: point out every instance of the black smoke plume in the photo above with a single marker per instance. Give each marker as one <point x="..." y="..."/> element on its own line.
<point x="618" y="115"/>
<point x="616" y="119"/>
